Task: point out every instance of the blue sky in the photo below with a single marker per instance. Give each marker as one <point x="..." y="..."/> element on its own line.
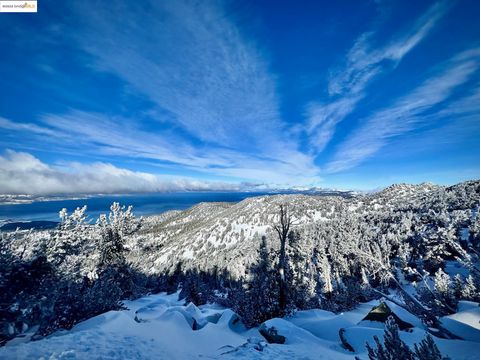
<point x="122" y="96"/>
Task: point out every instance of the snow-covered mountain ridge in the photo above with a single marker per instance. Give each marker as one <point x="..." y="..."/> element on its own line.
<point x="227" y="235"/>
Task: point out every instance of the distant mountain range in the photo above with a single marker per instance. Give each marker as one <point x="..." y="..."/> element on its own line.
<point x="12" y="199"/>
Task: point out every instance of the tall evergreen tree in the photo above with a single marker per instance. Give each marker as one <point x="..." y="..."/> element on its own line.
<point x="113" y="269"/>
<point x="259" y="301"/>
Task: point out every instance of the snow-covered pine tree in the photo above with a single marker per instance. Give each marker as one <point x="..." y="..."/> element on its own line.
<point x="444" y="292"/>
<point x="259" y="301"/>
<point x="428" y="350"/>
<point x="297" y="277"/>
<point x="393" y="348"/>
<point x="469" y="290"/>
<point x="113" y="269"/>
<point x="67" y="238"/>
<point x="191" y="289"/>
<point x="474" y="230"/>
<point x="198" y="287"/>
<point x="113" y="229"/>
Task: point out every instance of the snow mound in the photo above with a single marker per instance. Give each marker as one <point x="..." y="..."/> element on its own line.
<point x="161" y="327"/>
<point x="326" y="325"/>
<point x="465" y="324"/>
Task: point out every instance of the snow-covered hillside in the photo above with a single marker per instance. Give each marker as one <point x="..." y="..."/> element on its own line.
<point x="227" y="235"/>
<point x="160" y="327"/>
<point x="414" y="246"/>
<point x="217" y="234"/>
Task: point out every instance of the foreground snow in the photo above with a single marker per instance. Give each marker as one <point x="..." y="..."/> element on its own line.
<point x="160" y="327"/>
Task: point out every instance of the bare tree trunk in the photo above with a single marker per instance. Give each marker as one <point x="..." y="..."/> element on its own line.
<point x="282" y="229"/>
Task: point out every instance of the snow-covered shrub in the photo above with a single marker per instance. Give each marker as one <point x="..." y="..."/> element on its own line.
<point x="470" y="290"/>
<point x="27" y="291"/>
<point x="428" y="350"/>
<point x="393" y="347"/>
<point x="444" y="292"/>
<point x="442" y="297"/>
<point x="347" y="295"/>
<point x="474" y="231"/>
<point x="43" y="275"/>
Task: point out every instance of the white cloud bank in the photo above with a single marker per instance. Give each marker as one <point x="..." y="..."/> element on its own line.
<point x="22" y="173"/>
<point x="99" y="136"/>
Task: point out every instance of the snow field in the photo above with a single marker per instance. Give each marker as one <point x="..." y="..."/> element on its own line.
<point x="162" y="327"/>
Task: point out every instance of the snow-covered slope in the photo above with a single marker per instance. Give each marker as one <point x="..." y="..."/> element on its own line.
<point x="227" y="235"/>
<point x="160" y="327"/>
<point x="216" y="234"/>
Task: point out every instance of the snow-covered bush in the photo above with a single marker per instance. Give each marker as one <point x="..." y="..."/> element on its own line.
<point x="27" y="291"/>
<point x="393" y="347"/>
<point x="44" y="275"/>
<point x="428" y="350"/>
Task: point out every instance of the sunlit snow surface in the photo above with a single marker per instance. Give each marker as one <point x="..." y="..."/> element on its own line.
<point x="160" y="327"/>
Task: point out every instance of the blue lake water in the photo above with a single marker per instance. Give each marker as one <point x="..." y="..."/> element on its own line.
<point x="144" y="204"/>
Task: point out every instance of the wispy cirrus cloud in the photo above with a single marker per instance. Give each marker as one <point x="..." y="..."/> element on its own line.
<point x="187" y="88"/>
<point x="17" y="126"/>
<point x="213" y="99"/>
<point x="468" y="105"/>
<point x="364" y="62"/>
<point x="121" y="136"/>
<point x="191" y="61"/>
<point x="409" y="112"/>
<point x="101" y="136"/>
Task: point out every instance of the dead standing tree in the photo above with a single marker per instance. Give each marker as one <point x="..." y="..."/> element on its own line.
<point x="282" y="227"/>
